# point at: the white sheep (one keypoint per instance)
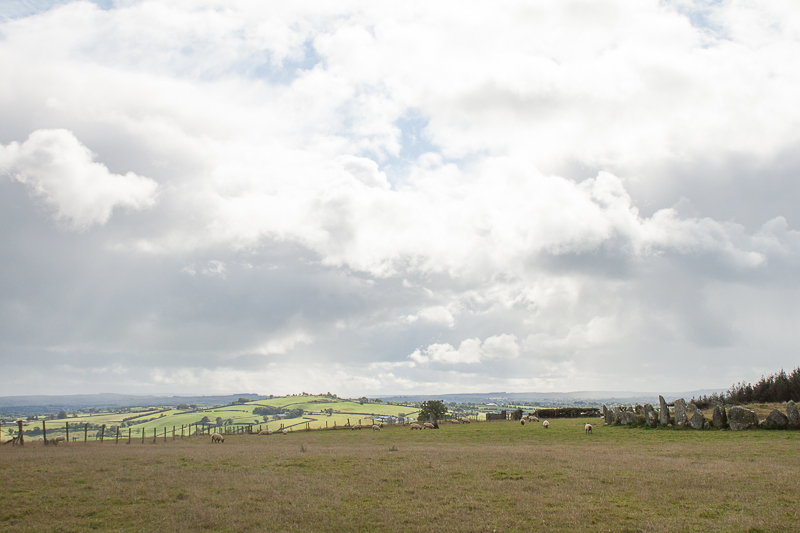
(546, 424)
(416, 426)
(60, 438)
(588, 428)
(376, 427)
(428, 425)
(356, 426)
(284, 431)
(216, 437)
(267, 431)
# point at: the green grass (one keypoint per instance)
(496, 476)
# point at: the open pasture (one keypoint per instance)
(489, 476)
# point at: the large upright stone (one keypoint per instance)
(792, 414)
(775, 420)
(694, 416)
(740, 418)
(650, 417)
(663, 415)
(639, 410)
(680, 413)
(617, 414)
(629, 418)
(719, 417)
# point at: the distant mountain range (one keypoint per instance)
(54, 404)
(555, 397)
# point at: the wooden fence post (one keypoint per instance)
(21, 436)
(154, 435)
(129, 435)
(142, 435)
(44, 431)
(116, 439)
(67, 431)
(181, 431)
(102, 433)
(173, 432)
(165, 433)
(85, 431)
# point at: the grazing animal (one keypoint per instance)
(41, 440)
(522, 422)
(60, 438)
(376, 427)
(428, 425)
(546, 424)
(588, 428)
(267, 431)
(216, 437)
(416, 426)
(464, 420)
(356, 426)
(284, 431)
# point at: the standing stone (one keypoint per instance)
(617, 414)
(775, 420)
(719, 417)
(680, 413)
(664, 413)
(740, 418)
(629, 418)
(639, 410)
(605, 413)
(695, 418)
(792, 414)
(650, 417)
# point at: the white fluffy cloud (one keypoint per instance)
(60, 170)
(348, 182)
(470, 351)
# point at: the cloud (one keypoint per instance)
(609, 185)
(57, 168)
(470, 351)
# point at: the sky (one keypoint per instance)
(366, 198)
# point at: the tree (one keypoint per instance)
(62, 415)
(431, 410)
(204, 420)
(219, 420)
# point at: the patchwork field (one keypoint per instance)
(489, 476)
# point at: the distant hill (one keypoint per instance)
(554, 397)
(54, 404)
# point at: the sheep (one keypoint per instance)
(588, 428)
(216, 437)
(285, 431)
(376, 427)
(546, 424)
(428, 425)
(60, 438)
(267, 431)
(464, 420)
(356, 426)
(416, 426)
(522, 422)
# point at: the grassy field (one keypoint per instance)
(140, 419)
(495, 476)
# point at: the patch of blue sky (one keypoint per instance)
(700, 14)
(414, 142)
(282, 72)
(16, 9)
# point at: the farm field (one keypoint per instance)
(489, 476)
(145, 420)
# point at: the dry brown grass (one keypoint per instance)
(478, 477)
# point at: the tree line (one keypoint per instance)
(778, 387)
